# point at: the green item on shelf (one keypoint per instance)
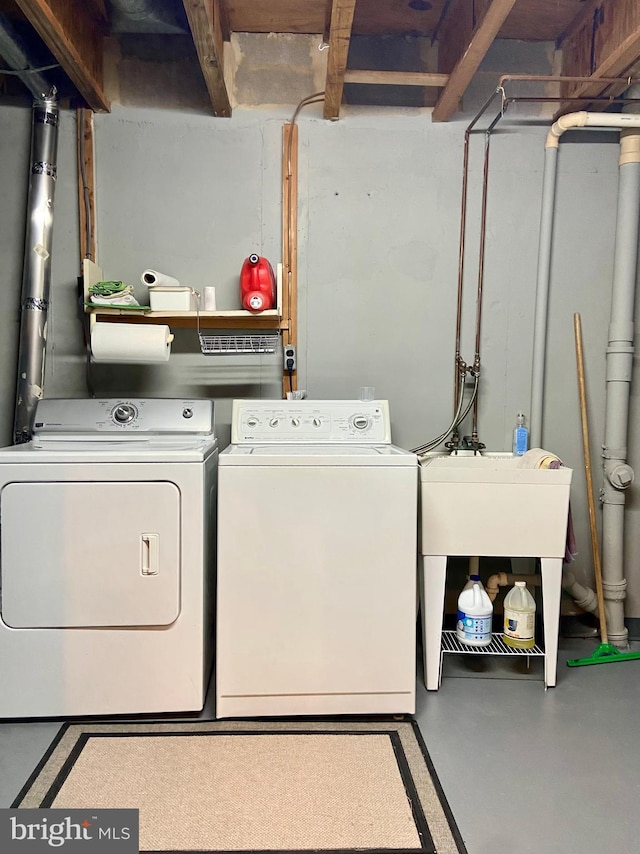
(98, 305)
(108, 289)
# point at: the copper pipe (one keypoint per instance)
(483, 231)
(505, 102)
(463, 223)
(463, 218)
(551, 78)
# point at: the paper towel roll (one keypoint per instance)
(130, 343)
(158, 280)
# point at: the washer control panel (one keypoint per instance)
(310, 421)
(137, 415)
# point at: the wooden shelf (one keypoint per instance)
(189, 319)
(238, 319)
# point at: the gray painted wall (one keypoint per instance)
(379, 208)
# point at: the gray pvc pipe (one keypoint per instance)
(542, 295)
(617, 474)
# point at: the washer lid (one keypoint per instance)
(318, 455)
(101, 450)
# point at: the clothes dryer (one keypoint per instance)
(317, 538)
(107, 559)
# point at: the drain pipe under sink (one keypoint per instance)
(618, 474)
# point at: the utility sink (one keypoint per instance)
(492, 504)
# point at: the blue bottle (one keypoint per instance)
(520, 436)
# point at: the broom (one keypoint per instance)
(605, 652)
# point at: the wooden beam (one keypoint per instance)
(469, 58)
(205, 22)
(289, 246)
(326, 30)
(339, 38)
(225, 28)
(396, 78)
(86, 183)
(604, 43)
(69, 30)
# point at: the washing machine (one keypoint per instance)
(107, 556)
(316, 584)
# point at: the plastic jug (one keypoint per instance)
(475, 614)
(257, 284)
(519, 617)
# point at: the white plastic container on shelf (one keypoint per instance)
(519, 617)
(475, 614)
(172, 299)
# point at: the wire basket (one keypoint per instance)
(233, 345)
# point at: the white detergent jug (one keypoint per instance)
(475, 615)
(519, 617)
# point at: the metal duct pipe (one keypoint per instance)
(145, 16)
(15, 54)
(36, 276)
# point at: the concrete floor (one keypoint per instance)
(523, 769)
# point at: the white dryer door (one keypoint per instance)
(81, 554)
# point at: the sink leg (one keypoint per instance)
(551, 571)
(434, 572)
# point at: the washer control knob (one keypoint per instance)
(274, 422)
(360, 422)
(187, 412)
(252, 421)
(124, 413)
(295, 422)
(316, 422)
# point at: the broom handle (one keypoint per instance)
(586, 445)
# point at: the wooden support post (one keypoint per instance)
(74, 35)
(339, 38)
(205, 21)
(467, 55)
(289, 246)
(86, 183)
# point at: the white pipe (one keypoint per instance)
(549, 181)
(584, 597)
(618, 475)
(504, 579)
(567, 122)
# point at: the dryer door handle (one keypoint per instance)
(149, 554)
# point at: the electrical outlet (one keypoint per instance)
(289, 355)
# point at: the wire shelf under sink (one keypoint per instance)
(451, 644)
(233, 345)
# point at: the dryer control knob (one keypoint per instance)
(316, 422)
(295, 422)
(274, 422)
(124, 413)
(252, 421)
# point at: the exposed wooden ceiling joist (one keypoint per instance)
(339, 37)
(205, 21)
(469, 51)
(396, 78)
(70, 31)
(604, 42)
